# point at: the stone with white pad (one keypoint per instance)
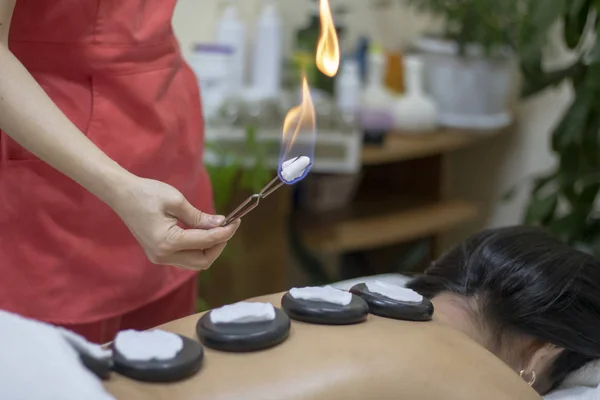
(243, 327)
(156, 355)
(324, 305)
(393, 301)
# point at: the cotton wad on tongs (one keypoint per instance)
(252, 202)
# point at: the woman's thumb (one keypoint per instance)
(194, 218)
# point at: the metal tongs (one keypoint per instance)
(252, 202)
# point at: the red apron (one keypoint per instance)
(115, 69)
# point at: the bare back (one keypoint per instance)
(378, 359)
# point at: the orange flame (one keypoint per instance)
(300, 120)
(328, 48)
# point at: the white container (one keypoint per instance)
(268, 53)
(210, 63)
(471, 91)
(348, 87)
(232, 32)
(376, 100)
(415, 111)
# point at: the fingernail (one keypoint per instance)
(217, 219)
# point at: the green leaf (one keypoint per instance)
(537, 80)
(541, 184)
(570, 162)
(589, 147)
(594, 56)
(577, 7)
(543, 14)
(573, 123)
(587, 197)
(569, 226)
(541, 209)
(252, 144)
(575, 22)
(591, 78)
(223, 180)
(546, 12)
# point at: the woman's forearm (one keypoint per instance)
(30, 117)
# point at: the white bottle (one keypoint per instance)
(232, 32)
(348, 88)
(415, 111)
(268, 53)
(376, 100)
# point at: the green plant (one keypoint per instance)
(563, 199)
(231, 172)
(488, 23)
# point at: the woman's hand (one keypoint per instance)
(155, 213)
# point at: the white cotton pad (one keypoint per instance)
(148, 345)
(394, 292)
(327, 294)
(243, 312)
(81, 344)
(293, 169)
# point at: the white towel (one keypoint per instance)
(583, 384)
(37, 362)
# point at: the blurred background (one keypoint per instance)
(446, 117)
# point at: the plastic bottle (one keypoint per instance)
(394, 76)
(376, 102)
(375, 95)
(415, 112)
(268, 54)
(210, 62)
(232, 32)
(348, 88)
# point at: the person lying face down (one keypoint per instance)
(525, 296)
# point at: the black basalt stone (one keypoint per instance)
(243, 337)
(324, 313)
(383, 306)
(185, 364)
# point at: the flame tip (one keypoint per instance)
(328, 47)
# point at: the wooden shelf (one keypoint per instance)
(360, 232)
(402, 146)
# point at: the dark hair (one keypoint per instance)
(524, 280)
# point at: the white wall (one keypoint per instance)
(482, 173)
(485, 172)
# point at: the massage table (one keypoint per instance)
(378, 359)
